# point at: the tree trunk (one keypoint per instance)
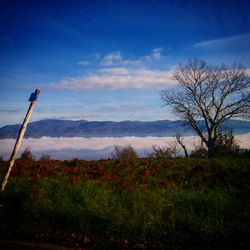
(186, 153)
(185, 150)
(210, 150)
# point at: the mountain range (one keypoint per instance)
(83, 128)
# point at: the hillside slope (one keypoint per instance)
(82, 128)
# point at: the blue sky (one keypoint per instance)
(108, 60)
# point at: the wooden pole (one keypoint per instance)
(22, 130)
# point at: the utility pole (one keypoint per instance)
(32, 100)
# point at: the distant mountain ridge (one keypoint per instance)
(83, 128)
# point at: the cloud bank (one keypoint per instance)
(97, 147)
(116, 79)
(115, 72)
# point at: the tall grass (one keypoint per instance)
(142, 217)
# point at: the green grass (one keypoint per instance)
(205, 207)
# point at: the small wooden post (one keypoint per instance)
(32, 100)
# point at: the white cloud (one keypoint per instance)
(81, 145)
(84, 63)
(112, 58)
(116, 59)
(117, 78)
(248, 72)
(239, 41)
(156, 54)
(115, 72)
(66, 148)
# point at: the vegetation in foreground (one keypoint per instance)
(129, 204)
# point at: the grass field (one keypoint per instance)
(137, 204)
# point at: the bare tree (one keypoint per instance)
(180, 140)
(166, 152)
(208, 95)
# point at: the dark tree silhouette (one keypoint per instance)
(208, 95)
(180, 140)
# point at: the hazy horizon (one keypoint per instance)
(94, 148)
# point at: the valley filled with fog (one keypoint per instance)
(95, 148)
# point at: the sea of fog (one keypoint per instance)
(95, 148)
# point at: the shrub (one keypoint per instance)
(199, 152)
(226, 144)
(166, 152)
(124, 153)
(45, 157)
(27, 155)
(244, 153)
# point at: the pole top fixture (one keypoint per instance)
(34, 96)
